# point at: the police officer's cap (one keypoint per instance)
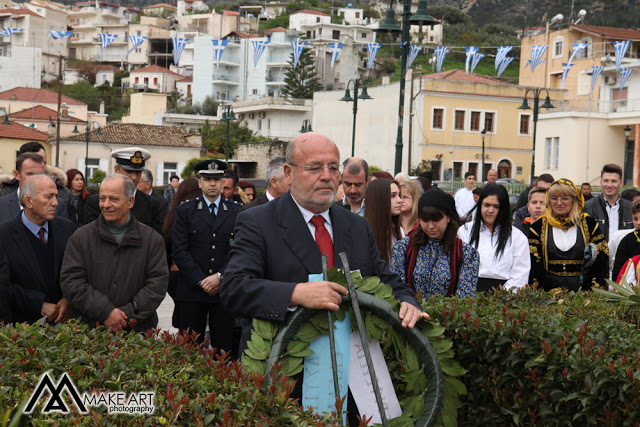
(210, 168)
(131, 158)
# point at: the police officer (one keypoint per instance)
(202, 236)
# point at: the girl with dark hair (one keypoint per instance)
(78, 199)
(432, 260)
(503, 249)
(382, 210)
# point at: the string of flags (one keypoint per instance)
(8, 31)
(298, 47)
(60, 34)
(218, 48)
(107, 39)
(178, 47)
(136, 42)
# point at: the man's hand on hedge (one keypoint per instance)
(117, 320)
(410, 314)
(50, 310)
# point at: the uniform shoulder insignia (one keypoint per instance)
(237, 202)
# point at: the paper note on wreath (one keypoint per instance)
(360, 381)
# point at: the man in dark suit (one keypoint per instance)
(34, 243)
(5, 296)
(202, 236)
(355, 178)
(276, 183)
(146, 186)
(131, 162)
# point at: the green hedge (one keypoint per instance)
(544, 358)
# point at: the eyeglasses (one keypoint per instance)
(334, 168)
(564, 199)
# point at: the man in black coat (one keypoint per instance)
(5, 296)
(34, 243)
(146, 186)
(276, 184)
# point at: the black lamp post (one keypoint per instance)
(227, 116)
(88, 126)
(306, 126)
(525, 106)
(347, 98)
(420, 18)
(627, 133)
(483, 134)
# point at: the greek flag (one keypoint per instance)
(502, 53)
(107, 39)
(298, 47)
(136, 41)
(504, 64)
(440, 53)
(471, 52)
(60, 34)
(334, 49)
(372, 51)
(597, 70)
(577, 47)
(565, 70)
(536, 54)
(621, 51)
(624, 75)
(259, 46)
(413, 53)
(178, 48)
(8, 31)
(218, 48)
(476, 58)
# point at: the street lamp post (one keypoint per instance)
(227, 116)
(306, 126)
(88, 126)
(525, 106)
(483, 134)
(627, 134)
(347, 98)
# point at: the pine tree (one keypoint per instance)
(303, 81)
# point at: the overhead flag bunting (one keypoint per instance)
(501, 55)
(259, 47)
(471, 51)
(218, 49)
(334, 49)
(413, 54)
(476, 58)
(136, 42)
(107, 39)
(298, 47)
(624, 75)
(565, 70)
(621, 51)
(8, 31)
(577, 47)
(60, 34)
(597, 70)
(504, 64)
(536, 54)
(440, 53)
(372, 51)
(178, 47)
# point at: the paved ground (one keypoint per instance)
(165, 311)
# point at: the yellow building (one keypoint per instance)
(458, 107)
(12, 136)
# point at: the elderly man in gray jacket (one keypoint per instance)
(115, 270)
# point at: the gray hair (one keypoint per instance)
(354, 165)
(28, 187)
(148, 176)
(129, 187)
(402, 176)
(275, 169)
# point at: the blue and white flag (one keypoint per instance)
(178, 47)
(621, 51)
(298, 47)
(8, 31)
(413, 54)
(440, 52)
(476, 58)
(504, 64)
(471, 52)
(259, 47)
(107, 39)
(566, 67)
(136, 42)
(536, 54)
(218, 49)
(334, 49)
(577, 47)
(597, 70)
(60, 34)
(624, 75)
(372, 51)
(501, 55)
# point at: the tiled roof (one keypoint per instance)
(155, 69)
(160, 5)
(461, 76)
(139, 135)
(19, 12)
(39, 113)
(42, 96)
(311, 12)
(186, 80)
(230, 12)
(617, 33)
(18, 131)
(276, 30)
(97, 67)
(241, 35)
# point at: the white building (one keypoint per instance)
(157, 48)
(274, 9)
(307, 17)
(20, 67)
(154, 77)
(275, 118)
(104, 73)
(190, 6)
(352, 16)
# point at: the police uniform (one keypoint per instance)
(200, 248)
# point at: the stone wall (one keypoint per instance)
(260, 154)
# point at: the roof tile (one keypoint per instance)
(462, 76)
(311, 12)
(18, 131)
(139, 135)
(618, 33)
(39, 113)
(155, 69)
(38, 96)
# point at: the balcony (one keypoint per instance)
(225, 79)
(277, 61)
(233, 61)
(274, 81)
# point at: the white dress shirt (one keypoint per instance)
(307, 215)
(614, 216)
(513, 265)
(464, 201)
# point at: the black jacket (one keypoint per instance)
(596, 208)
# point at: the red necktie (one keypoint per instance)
(323, 239)
(41, 234)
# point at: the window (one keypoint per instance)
(552, 151)
(335, 35)
(168, 170)
(475, 121)
(259, 124)
(587, 51)
(357, 15)
(155, 81)
(138, 50)
(137, 80)
(92, 166)
(558, 44)
(320, 31)
(436, 122)
(584, 83)
(254, 91)
(364, 35)
(146, 81)
(524, 124)
(459, 124)
(488, 122)
(138, 33)
(317, 20)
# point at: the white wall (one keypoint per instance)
(297, 20)
(21, 68)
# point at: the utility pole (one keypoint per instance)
(58, 118)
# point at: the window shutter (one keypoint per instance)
(181, 168)
(159, 173)
(103, 165)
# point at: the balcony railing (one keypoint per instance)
(226, 78)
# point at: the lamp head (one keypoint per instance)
(627, 132)
(547, 103)
(389, 25)
(525, 104)
(364, 95)
(75, 129)
(347, 96)
(422, 17)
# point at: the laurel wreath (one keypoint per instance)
(410, 380)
